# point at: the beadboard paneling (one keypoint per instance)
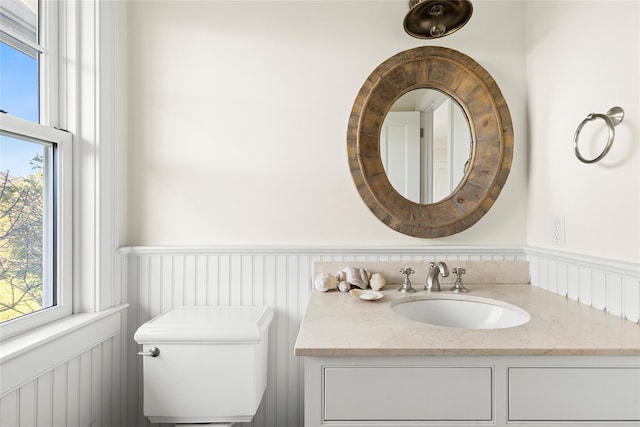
(83, 391)
(159, 278)
(607, 285)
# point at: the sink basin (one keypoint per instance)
(460, 311)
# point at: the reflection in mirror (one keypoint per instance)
(425, 145)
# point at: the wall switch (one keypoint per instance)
(557, 230)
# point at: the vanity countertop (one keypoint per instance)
(338, 324)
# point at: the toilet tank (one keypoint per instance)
(211, 366)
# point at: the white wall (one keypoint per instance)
(238, 112)
(237, 117)
(583, 57)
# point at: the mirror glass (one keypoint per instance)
(425, 145)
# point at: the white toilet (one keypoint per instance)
(205, 364)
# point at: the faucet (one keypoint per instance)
(406, 286)
(432, 284)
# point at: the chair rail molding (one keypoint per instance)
(432, 250)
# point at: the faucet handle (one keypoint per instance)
(458, 287)
(407, 271)
(406, 286)
(458, 271)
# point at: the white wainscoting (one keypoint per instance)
(94, 387)
(69, 374)
(158, 278)
(608, 285)
(80, 392)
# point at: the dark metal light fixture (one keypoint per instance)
(430, 19)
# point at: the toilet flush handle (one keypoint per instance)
(153, 352)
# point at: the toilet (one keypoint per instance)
(204, 365)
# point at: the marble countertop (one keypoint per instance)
(338, 324)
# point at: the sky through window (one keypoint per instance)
(18, 97)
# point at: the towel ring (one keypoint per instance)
(612, 118)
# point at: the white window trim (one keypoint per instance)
(47, 46)
(49, 40)
(87, 81)
(63, 225)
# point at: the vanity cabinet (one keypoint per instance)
(406, 393)
(586, 393)
(461, 391)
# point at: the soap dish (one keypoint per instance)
(366, 294)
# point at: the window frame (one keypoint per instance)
(62, 222)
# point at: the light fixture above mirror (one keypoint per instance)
(430, 19)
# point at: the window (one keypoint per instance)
(35, 172)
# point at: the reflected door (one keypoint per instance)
(400, 151)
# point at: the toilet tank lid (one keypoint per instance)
(206, 324)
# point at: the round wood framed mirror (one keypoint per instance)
(475, 91)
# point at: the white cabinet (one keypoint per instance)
(574, 394)
(409, 393)
(463, 391)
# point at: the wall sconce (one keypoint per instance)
(430, 19)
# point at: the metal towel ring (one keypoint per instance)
(613, 118)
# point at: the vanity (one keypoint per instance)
(367, 365)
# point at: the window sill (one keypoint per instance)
(28, 355)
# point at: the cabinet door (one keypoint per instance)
(574, 394)
(408, 393)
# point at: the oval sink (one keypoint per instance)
(461, 312)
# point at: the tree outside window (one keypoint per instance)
(21, 242)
